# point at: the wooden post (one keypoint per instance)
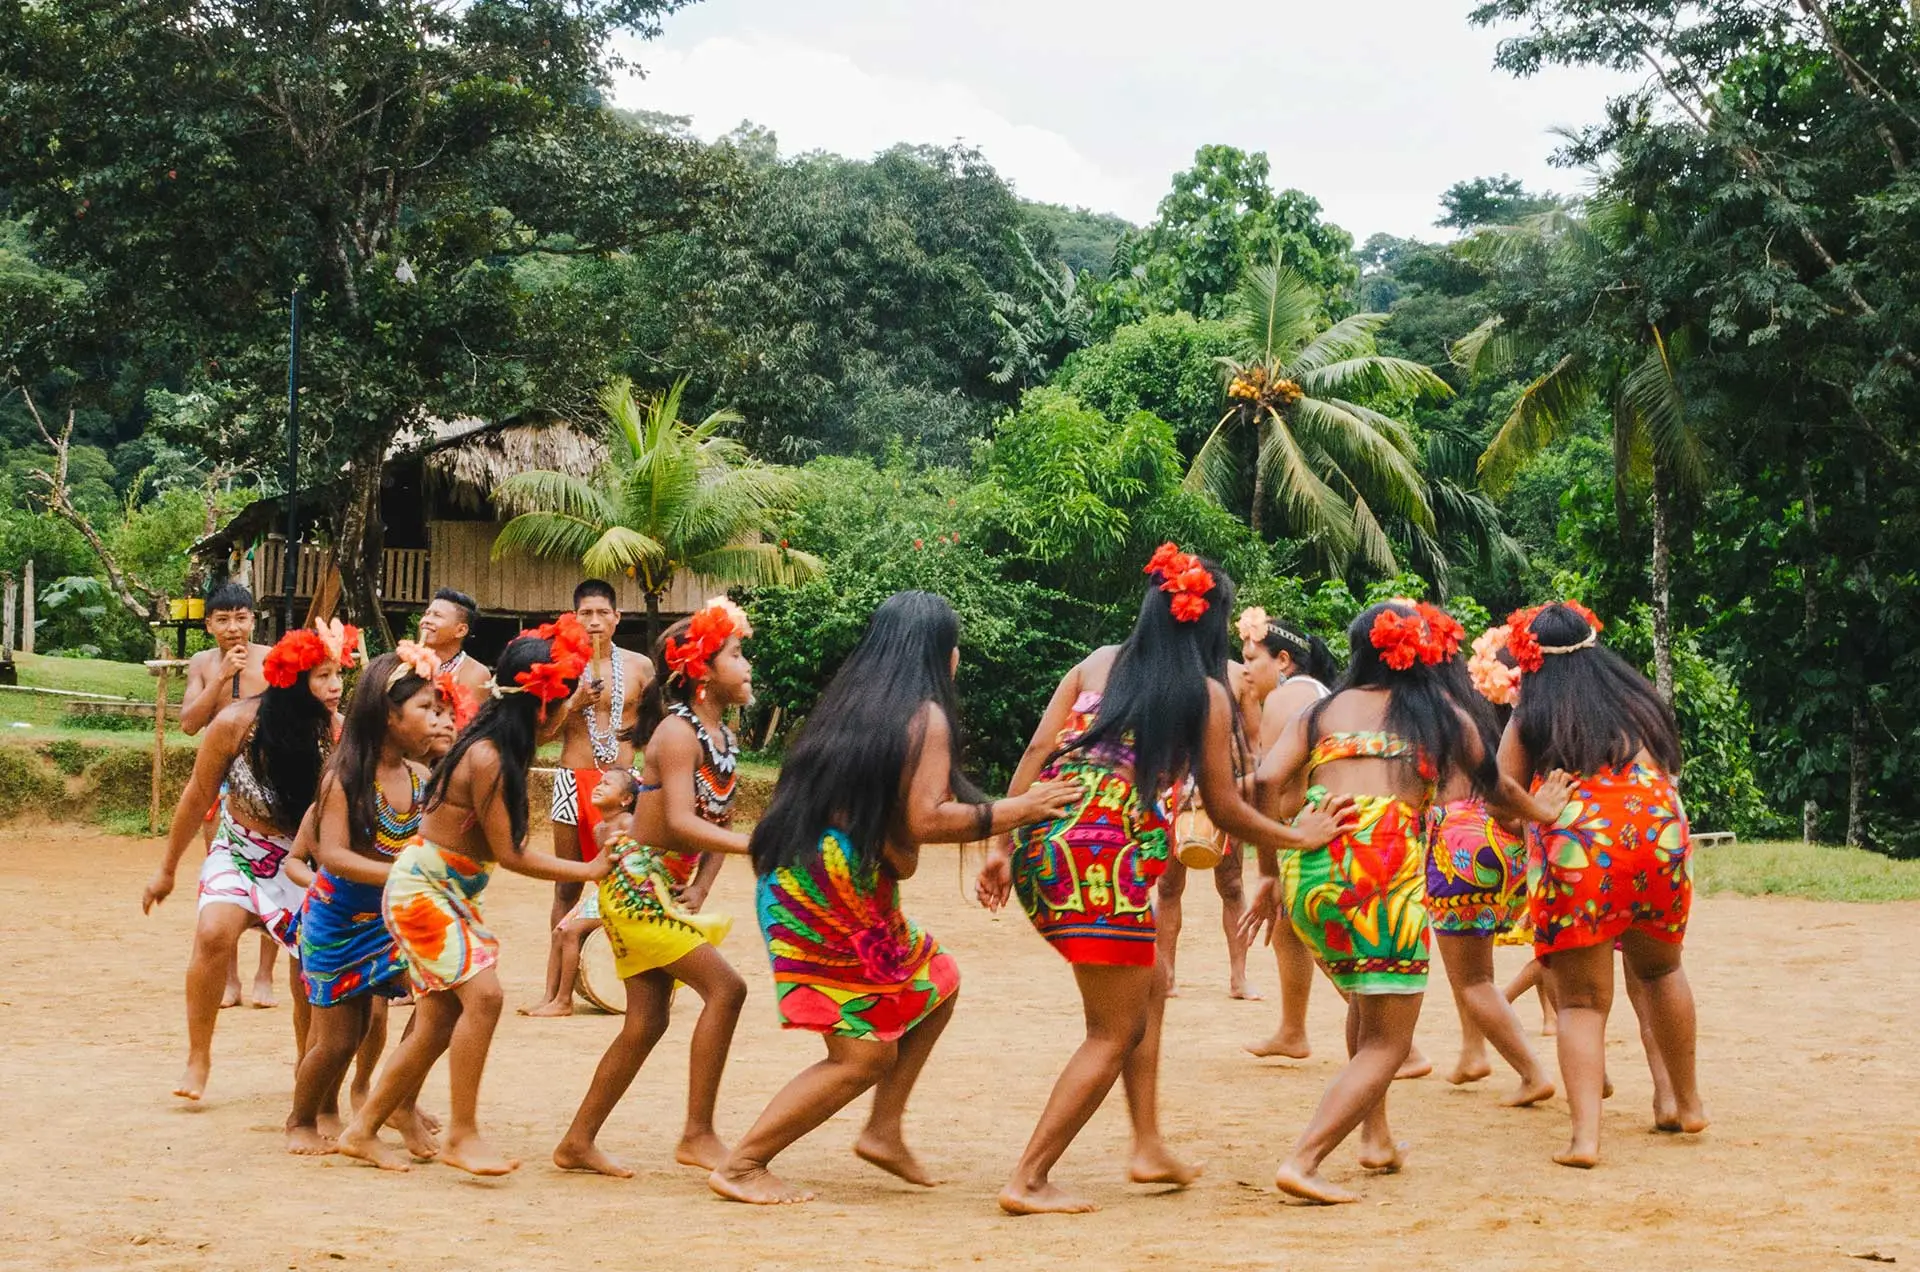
(162, 669)
(6, 623)
(26, 611)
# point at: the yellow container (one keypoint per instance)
(197, 607)
(176, 609)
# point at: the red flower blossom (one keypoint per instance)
(707, 635)
(1444, 634)
(293, 656)
(1400, 638)
(1183, 577)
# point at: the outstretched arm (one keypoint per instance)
(933, 816)
(1511, 800)
(1230, 811)
(481, 766)
(332, 843)
(222, 743)
(674, 750)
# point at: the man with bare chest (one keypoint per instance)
(444, 627)
(594, 739)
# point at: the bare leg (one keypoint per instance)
(1296, 986)
(1167, 917)
(1662, 997)
(1382, 1032)
(302, 1015)
(1489, 1018)
(566, 845)
(263, 973)
(435, 1016)
(722, 995)
(336, 1032)
(232, 997)
(1149, 1162)
(367, 1058)
(1583, 984)
(884, 1143)
(1229, 882)
(648, 998)
(563, 968)
(419, 1129)
(815, 1094)
(1117, 1002)
(216, 937)
(480, 1002)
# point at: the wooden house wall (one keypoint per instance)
(461, 553)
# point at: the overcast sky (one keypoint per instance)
(1372, 106)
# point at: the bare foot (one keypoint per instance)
(1309, 1186)
(1579, 1156)
(705, 1151)
(545, 1010)
(1416, 1065)
(422, 1140)
(1383, 1159)
(891, 1154)
(1046, 1199)
(1465, 1070)
(193, 1082)
(1549, 1026)
(1291, 1045)
(1157, 1166)
(757, 1186)
(1674, 1120)
(330, 1125)
(477, 1157)
(231, 996)
(308, 1141)
(263, 994)
(1528, 1094)
(374, 1151)
(1606, 1088)
(1238, 989)
(587, 1156)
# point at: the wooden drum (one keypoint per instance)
(596, 981)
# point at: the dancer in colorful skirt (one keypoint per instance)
(1612, 867)
(367, 811)
(267, 751)
(668, 847)
(1125, 724)
(1395, 730)
(1477, 889)
(475, 819)
(874, 774)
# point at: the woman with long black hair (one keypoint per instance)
(1129, 722)
(875, 774)
(475, 818)
(1395, 731)
(261, 761)
(1613, 867)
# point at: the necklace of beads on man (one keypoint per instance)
(606, 745)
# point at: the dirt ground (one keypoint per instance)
(1806, 1017)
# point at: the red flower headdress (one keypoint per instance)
(1183, 577)
(1429, 635)
(707, 635)
(1526, 647)
(547, 681)
(304, 648)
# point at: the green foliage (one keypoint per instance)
(1812, 872)
(1084, 240)
(1500, 200)
(1167, 365)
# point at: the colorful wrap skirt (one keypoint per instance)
(846, 961)
(246, 868)
(1617, 860)
(432, 908)
(646, 926)
(346, 950)
(1358, 903)
(1087, 880)
(1476, 871)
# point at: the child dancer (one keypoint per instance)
(268, 751)
(873, 775)
(682, 812)
(475, 818)
(1476, 889)
(368, 810)
(1390, 735)
(1125, 724)
(1612, 867)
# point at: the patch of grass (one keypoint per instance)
(27, 781)
(132, 825)
(70, 755)
(92, 675)
(1814, 872)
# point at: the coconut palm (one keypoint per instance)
(671, 497)
(1331, 465)
(1627, 369)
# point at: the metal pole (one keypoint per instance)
(289, 572)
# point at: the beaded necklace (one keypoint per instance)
(714, 777)
(606, 746)
(394, 830)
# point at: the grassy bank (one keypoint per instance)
(1816, 872)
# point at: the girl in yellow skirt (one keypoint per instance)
(682, 811)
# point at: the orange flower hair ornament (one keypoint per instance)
(547, 681)
(1428, 636)
(304, 648)
(1183, 577)
(1497, 682)
(415, 660)
(1253, 624)
(742, 626)
(707, 635)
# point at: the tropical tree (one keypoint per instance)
(671, 497)
(1330, 463)
(1620, 360)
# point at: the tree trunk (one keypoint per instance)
(1256, 516)
(360, 539)
(1810, 611)
(1662, 584)
(653, 624)
(1859, 760)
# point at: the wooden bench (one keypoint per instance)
(1713, 838)
(81, 710)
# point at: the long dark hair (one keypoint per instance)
(511, 723)
(845, 767)
(1589, 710)
(1310, 654)
(356, 759)
(288, 747)
(1424, 703)
(663, 692)
(1157, 696)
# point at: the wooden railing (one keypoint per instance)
(406, 576)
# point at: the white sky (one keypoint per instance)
(1372, 106)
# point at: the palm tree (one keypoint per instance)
(1331, 464)
(671, 497)
(1631, 376)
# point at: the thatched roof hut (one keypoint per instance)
(462, 470)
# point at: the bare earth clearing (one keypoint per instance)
(1807, 1064)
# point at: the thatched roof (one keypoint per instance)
(463, 470)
